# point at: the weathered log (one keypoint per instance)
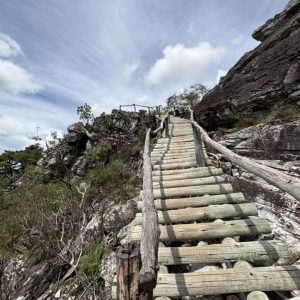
(128, 267)
(228, 281)
(173, 156)
(250, 251)
(172, 161)
(177, 151)
(181, 171)
(190, 175)
(176, 166)
(175, 145)
(188, 182)
(212, 212)
(286, 183)
(206, 231)
(211, 189)
(186, 138)
(150, 232)
(162, 204)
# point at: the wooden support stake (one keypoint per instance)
(134, 108)
(120, 107)
(128, 267)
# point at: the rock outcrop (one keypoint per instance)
(266, 141)
(265, 77)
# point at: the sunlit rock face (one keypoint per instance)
(265, 77)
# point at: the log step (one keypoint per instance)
(172, 161)
(181, 171)
(188, 182)
(172, 166)
(173, 156)
(211, 189)
(186, 138)
(228, 281)
(212, 212)
(207, 231)
(162, 204)
(217, 253)
(187, 175)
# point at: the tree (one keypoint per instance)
(85, 113)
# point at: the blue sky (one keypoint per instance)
(58, 54)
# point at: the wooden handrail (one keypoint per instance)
(284, 182)
(150, 227)
(157, 107)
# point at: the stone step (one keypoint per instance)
(212, 212)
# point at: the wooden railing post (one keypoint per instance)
(120, 107)
(128, 267)
(134, 108)
(166, 127)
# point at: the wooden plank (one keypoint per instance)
(212, 212)
(174, 145)
(158, 162)
(177, 151)
(228, 281)
(183, 165)
(207, 231)
(211, 189)
(250, 251)
(181, 171)
(162, 204)
(188, 182)
(186, 138)
(173, 156)
(188, 175)
(150, 233)
(285, 182)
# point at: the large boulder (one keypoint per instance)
(262, 78)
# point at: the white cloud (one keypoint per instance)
(181, 63)
(15, 80)
(129, 69)
(8, 46)
(237, 40)
(220, 74)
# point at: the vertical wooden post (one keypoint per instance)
(120, 107)
(149, 110)
(167, 127)
(159, 114)
(128, 267)
(134, 108)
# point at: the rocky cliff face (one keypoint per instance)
(262, 79)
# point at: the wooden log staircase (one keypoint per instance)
(194, 203)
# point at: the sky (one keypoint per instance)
(58, 54)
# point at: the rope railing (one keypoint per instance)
(141, 284)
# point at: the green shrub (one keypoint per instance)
(102, 152)
(91, 259)
(28, 208)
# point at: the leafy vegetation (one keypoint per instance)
(27, 210)
(85, 113)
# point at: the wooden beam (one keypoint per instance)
(212, 212)
(188, 175)
(207, 231)
(228, 281)
(163, 204)
(181, 171)
(187, 182)
(286, 183)
(211, 189)
(150, 232)
(251, 251)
